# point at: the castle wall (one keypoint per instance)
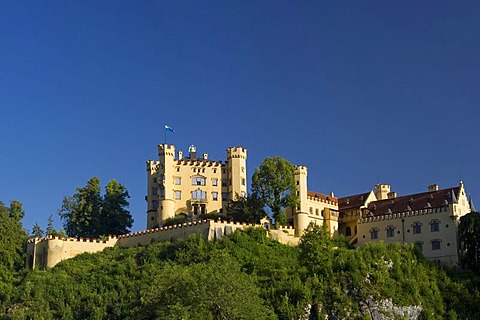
(416, 227)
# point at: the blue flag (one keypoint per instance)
(167, 128)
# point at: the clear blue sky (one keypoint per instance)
(360, 92)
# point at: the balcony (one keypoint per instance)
(198, 201)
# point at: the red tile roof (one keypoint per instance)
(353, 201)
(321, 196)
(412, 202)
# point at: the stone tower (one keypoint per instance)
(236, 172)
(300, 216)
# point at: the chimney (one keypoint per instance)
(433, 187)
(180, 155)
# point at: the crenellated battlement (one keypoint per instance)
(166, 150)
(402, 215)
(71, 239)
(237, 152)
(327, 200)
(200, 162)
(301, 169)
(152, 165)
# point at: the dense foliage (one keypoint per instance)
(12, 247)
(88, 214)
(244, 276)
(273, 183)
(469, 241)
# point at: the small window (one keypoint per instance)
(224, 196)
(178, 195)
(178, 169)
(215, 182)
(374, 234)
(311, 210)
(198, 181)
(417, 228)
(243, 169)
(155, 204)
(317, 212)
(298, 182)
(215, 196)
(436, 245)
(243, 181)
(214, 170)
(224, 182)
(154, 191)
(435, 226)
(199, 195)
(178, 180)
(390, 232)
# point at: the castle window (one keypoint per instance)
(154, 191)
(178, 180)
(417, 228)
(243, 169)
(198, 181)
(311, 210)
(390, 232)
(435, 226)
(316, 212)
(199, 194)
(243, 181)
(215, 196)
(348, 231)
(155, 204)
(214, 182)
(224, 182)
(224, 196)
(178, 195)
(419, 245)
(374, 234)
(178, 169)
(214, 170)
(436, 245)
(298, 182)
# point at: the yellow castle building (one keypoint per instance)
(194, 186)
(428, 219)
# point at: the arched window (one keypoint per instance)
(199, 194)
(348, 231)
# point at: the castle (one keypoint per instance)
(195, 186)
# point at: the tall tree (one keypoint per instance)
(115, 218)
(81, 211)
(88, 214)
(12, 245)
(37, 231)
(469, 241)
(246, 209)
(274, 184)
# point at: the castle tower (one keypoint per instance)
(236, 172)
(166, 156)
(300, 216)
(382, 191)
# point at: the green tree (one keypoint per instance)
(469, 241)
(274, 184)
(88, 214)
(12, 245)
(37, 231)
(115, 218)
(316, 250)
(81, 211)
(246, 209)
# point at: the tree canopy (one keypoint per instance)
(469, 241)
(274, 184)
(88, 214)
(246, 209)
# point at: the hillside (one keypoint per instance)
(247, 276)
